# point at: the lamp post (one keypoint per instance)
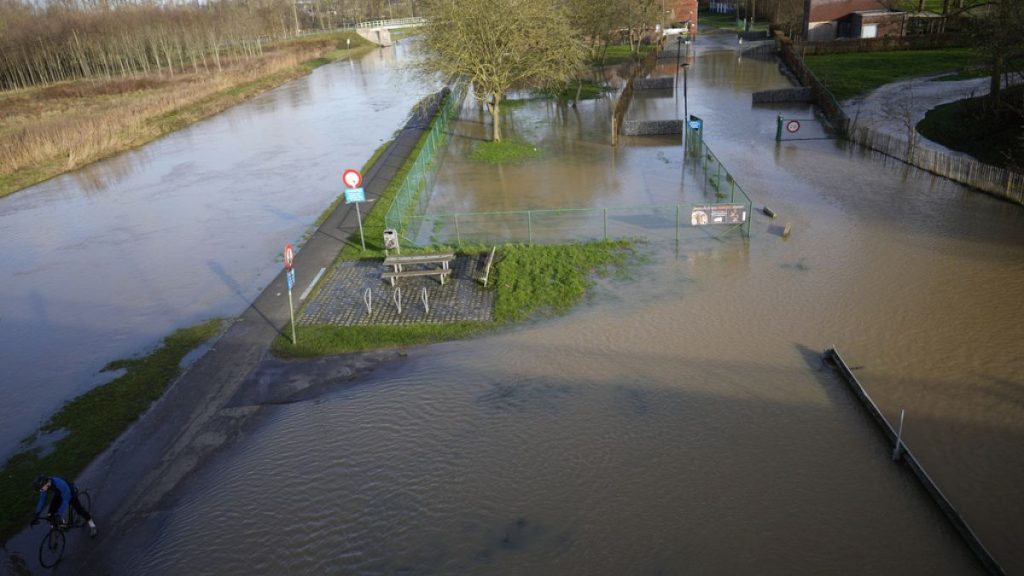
(686, 109)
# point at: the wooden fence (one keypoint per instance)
(985, 177)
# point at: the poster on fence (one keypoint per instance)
(707, 214)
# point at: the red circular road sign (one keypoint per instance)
(352, 178)
(289, 256)
(792, 126)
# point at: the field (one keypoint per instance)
(48, 130)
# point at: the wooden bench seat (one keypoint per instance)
(393, 275)
(398, 261)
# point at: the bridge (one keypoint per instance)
(393, 23)
(379, 31)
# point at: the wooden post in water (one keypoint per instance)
(897, 450)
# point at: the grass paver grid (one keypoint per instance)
(340, 300)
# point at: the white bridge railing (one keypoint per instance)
(393, 23)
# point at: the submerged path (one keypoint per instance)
(198, 414)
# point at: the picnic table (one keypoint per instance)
(423, 265)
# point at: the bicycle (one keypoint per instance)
(51, 549)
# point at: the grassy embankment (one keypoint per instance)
(965, 125)
(855, 74)
(529, 280)
(87, 425)
(48, 130)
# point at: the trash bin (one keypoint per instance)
(390, 239)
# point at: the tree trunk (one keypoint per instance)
(494, 107)
(995, 82)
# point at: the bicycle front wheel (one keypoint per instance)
(52, 548)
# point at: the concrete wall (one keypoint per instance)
(889, 23)
(659, 83)
(783, 95)
(379, 36)
(821, 31)
(652, 127)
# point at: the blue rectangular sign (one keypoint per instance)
(291, 279)
(354, 195)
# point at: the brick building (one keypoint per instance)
(682, 11)
(830, 19)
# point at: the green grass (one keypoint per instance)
(530, 281)
(618, 53)
(965, 126)
(849, 75)
(504, 152)
(588, 90)
(92, 421)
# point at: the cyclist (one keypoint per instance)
(64, 493)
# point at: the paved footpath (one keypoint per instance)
(891, 107)
(200, 412)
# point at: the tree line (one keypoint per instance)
(89, 39)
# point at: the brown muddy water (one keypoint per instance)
(680, 421)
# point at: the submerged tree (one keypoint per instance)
(500, 45)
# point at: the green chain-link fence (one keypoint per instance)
(413, 196)
(720, 206)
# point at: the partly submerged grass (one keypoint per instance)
(92, 421)
(504, 152)
(550, 279)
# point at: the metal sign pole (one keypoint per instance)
(359, 217)
(291, 312)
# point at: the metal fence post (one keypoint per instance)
(458, 236)
(677, 223)
(605, 224)
(529, 227)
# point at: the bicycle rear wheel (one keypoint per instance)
(51, 548)
(86, 502)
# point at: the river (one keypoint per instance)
(102, 263)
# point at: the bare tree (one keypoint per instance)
(996, 31)
(499, 45)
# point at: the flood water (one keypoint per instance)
(103, 263)
(681, 420)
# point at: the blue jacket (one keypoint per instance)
(57, 485)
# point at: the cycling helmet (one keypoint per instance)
(40, 481)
